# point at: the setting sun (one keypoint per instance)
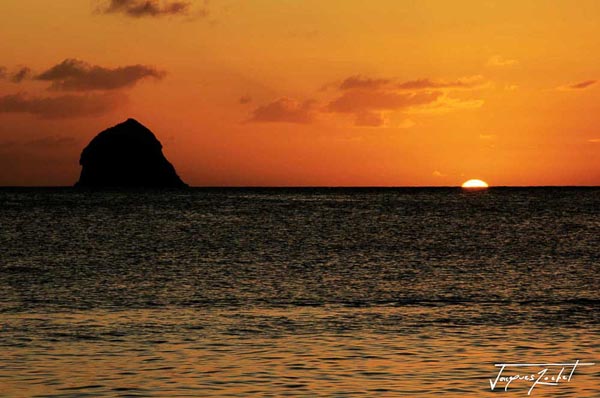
(477, 184)
(276, 186)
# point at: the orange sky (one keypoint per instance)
(293, 92)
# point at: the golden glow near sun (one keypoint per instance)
(475, 184)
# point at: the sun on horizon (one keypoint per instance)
(475, 184)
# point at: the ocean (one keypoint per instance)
(298, 292)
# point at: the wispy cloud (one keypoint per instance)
(154, 8)
(66, 106)
(370, 83)
(358, 101)
(577, 86)
(51, 142)
(446, 104)
(500, 61)
(470, 82)
(16, 77)
(20, 75)
(285, 110)
(359, 81)
(245, 99)
(76, 75)
(147, 8)
(45, 142)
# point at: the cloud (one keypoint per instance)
(446, 104)
(370, 119)
(500, 61)
(367, 101)
(2, 72)
(245, 99)
(379, 119)
(439, 174)
(46, 142)
(470, 82)
(594, 140)
(371, 101)
(66, 106)
(149, 8)
(359, 101)
(584, 84)
(284, 110)
(577, 86)
(52, 141)
(359, 81)
(20, 75)
(368, 83)
(76, 75)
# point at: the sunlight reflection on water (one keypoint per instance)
(295, 293)
(162, 352)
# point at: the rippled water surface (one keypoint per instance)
(296, 292)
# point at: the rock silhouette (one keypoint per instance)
(127, 155)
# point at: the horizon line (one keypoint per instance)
(303, 187)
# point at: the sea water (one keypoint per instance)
(297, 292)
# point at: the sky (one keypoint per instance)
(307, 92)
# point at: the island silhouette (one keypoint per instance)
(127, 155)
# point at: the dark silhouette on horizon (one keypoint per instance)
(127, 155)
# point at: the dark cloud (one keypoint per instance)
(148, 8)
(430, 84)
(582, 85)
(245, 99)
(66, 106)
(284, 110)
(76, 75)
(363, 82)
(20, 75)
(358, 81)
(577, 86)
